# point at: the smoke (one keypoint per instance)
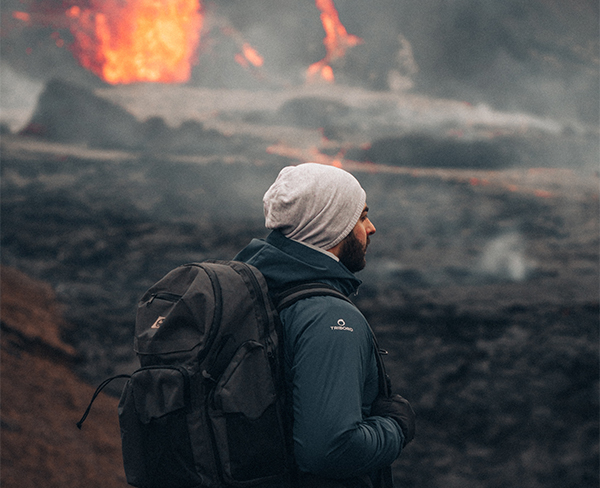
(504, 258)
(18, 97)
(538, 56)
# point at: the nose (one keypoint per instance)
(371, 228)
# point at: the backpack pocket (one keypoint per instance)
(246, 419)
(153, 409)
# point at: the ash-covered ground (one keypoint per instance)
(482, 279)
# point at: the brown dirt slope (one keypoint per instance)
(42, 399)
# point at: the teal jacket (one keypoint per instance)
(330, 365)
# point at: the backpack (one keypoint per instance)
(207, 407)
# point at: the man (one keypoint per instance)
(345, 431)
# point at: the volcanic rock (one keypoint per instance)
(421, 150)
(426, 150)
(72, 114)
(312, 112)
(42, 399)
(69, 113)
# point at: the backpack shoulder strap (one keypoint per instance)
(306, 290)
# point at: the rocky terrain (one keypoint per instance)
(43, 398)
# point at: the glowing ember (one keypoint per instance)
(24, 16)
(336, 42)
(137, 40)
(249, 55)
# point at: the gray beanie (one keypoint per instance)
(314, 203)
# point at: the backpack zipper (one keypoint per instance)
(216, 322)
(164, 295)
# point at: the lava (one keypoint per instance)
(249, 55)
(337, 41)
(138, 40)
(23, 16)
(129, 41)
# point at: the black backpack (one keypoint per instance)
(207, 406)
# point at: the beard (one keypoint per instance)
(353, 253)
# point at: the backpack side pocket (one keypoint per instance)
(247, 423)
(153, 410)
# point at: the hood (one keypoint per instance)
(285, 262)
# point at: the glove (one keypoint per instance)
(398, 409)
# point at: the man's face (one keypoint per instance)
(353, 251)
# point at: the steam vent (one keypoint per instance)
(140, 135)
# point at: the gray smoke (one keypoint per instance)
(504, 257)
(18, 96)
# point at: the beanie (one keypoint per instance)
(314, 203)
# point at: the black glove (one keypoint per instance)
(398, 409)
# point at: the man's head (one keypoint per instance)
(319, 205)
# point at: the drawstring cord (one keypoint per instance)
(96, 393)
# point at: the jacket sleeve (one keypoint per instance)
(330, 357)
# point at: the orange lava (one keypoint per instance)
(138, 40)
(337, 41)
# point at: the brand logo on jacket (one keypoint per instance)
(158, 323)
(341, 325)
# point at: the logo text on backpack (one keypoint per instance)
(341, 325)
(158, 323)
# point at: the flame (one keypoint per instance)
(137, 40)
(337, 41)
(128, 41)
